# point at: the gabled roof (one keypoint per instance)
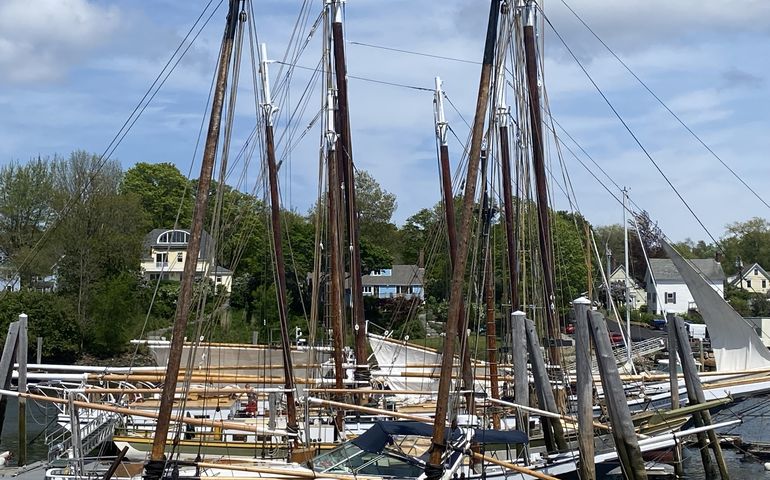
(400, 275)
(746, 271)
(663, 269)
(621, 269)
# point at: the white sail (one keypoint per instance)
(735, 343)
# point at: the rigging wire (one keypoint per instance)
(630, 131)
(664, 105)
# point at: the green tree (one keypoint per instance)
(25, 214)
(375, 209)
(745, 243)
(99, 236)
(163, 193)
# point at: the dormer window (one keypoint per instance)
(174, 237)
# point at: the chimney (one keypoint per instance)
(718, 256)
(421, 259)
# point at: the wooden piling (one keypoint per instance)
(6, 367)
(520, 375)
(673, 376)
(21, 354)
(552, 429)
(626, 443)
(584, 389)
(695, 395)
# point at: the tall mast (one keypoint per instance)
(335, 255)
(268, 112)
(449, 215)
(628, 296)
(345, 154)
(155, 466)
(541, 181)
(434, 467)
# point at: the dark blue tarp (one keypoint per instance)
(381, 434)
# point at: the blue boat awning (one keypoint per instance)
(381, 434)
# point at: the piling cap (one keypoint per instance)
(518, 313)
(581, 301)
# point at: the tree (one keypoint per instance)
(25, 214)
(745, 243)
(163, 193)
(375, 208)
(100, 232)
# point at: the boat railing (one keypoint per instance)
(100, 429)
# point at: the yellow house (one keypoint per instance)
(753, 279)
(164, 255)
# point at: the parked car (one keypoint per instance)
(616, 338)
(569, 329)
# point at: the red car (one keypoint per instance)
(616, 338)
(569, 329)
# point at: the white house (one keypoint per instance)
(666, 291)
(164, 255)
(637, 294)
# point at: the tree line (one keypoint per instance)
(80, 222)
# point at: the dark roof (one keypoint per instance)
(151, 241)
(400, 275)
(663, 269)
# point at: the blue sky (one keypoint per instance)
(72, 70)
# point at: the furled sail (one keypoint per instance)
(735, 343)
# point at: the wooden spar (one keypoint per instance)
(287, 472)
(520, 375)
(510, 238)
(626, 443)
(335, 256)
(513, 466)
(489, 297)
(237, 426)
(115, 464)
(552, 431)
(373, 411)
(434, 468)
(695, 396)
(546, 413)
(6, 366)
(584, 384)
(449, 216)
(541, 182)
(268, 112)
(193, 246)
(345, 156)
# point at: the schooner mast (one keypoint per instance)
(154, 468)
(347, 181)
(541, 181)
(434, 468)
(268, 113)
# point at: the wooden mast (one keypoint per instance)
(335, 256)
(434, 467)
(345, 157)
(155, 465)
(268, 112)
(449, 216)
(541, 181)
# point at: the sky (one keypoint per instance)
(71, 72)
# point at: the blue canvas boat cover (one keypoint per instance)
(381, 434)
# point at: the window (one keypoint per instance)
(219, 279)
(670, 297)
(161, 260)
(174, 236)
(368, 290)
(748, 283)
(756, 272)
(403, 289)
(180, 257)
(764, 283)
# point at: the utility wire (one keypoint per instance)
(664, 105)
(628, 129)
(410, 52)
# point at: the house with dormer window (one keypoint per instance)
(667, 290)
(165, 251)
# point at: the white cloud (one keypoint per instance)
(41, 41)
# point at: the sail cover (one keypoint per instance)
(735, 343)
